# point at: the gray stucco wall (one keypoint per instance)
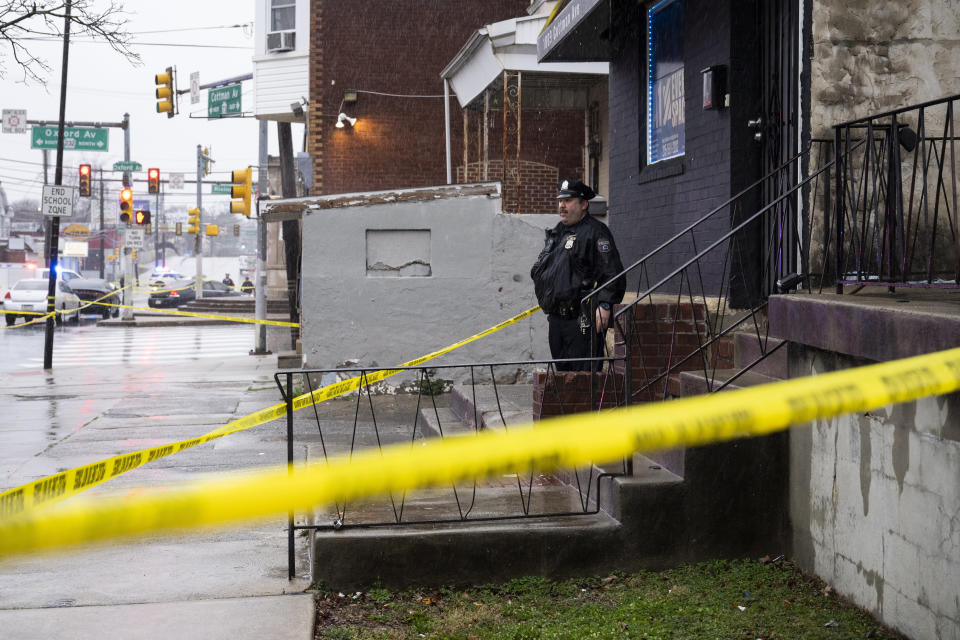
(875, 505)
(391, 312)
(873, 56)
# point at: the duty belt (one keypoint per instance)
(567, 311)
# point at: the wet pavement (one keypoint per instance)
(225, 583)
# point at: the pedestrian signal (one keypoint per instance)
(142, 217)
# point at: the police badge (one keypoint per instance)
(569, 243)
(603, 246)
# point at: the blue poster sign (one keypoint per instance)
(666, 136)
(667, 133)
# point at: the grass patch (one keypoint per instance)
(742, 599)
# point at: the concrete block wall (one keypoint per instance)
(473, 272)
(875, 496)
(875, 504)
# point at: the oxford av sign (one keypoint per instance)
(74, 138)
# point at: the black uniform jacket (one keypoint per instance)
(574, 261)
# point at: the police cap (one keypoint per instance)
(574, 189)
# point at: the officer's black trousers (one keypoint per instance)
(567, 341)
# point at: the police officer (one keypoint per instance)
(579, 254)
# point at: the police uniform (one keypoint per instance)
(575, 259)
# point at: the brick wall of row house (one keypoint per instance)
(400, 47)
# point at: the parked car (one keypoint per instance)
(181, 292)
(30, 295)
(90, 289)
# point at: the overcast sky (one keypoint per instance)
(102, 85)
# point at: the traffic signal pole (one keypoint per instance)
(103, 231)
(55, 220)
(198, 241)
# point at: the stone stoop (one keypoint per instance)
(724, 500)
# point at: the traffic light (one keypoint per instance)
(126, 205)
(213, 230)
(193, 220)
(142, 217)
(166, 92)
(179, 229)
(242, 188)
(153, 180)
(85, 180)
(236, 229)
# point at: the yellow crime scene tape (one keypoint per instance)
(558, 442)
(60, 486)
(278, 323)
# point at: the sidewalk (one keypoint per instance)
(226, 583)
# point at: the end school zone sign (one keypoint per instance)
(58, 200)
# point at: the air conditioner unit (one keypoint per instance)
(281, 41)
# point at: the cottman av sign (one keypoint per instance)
(224, 101)
(58, 200)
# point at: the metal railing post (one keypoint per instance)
(290, 555)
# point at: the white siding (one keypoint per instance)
(279, 81)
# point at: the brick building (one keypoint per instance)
(379, 62)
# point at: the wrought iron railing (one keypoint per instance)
(896, 216)
(377, 421)
(685, 311)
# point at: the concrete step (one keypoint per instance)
(244, 304)
(466, 552)
(493, 407)
(692, 383)
(748, 347)
(442, 422)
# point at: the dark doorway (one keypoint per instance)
(779, 133)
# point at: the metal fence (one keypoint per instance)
(434, 406)
(895, 220)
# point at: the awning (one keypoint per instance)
(511, 45)
(579, 32)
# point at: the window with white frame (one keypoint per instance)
(283, 15)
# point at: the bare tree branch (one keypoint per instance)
(21, 20)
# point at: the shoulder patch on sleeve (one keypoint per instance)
(603, 245)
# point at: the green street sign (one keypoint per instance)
(74, 138)
(127, 165)
(223, 102)
(221, 188)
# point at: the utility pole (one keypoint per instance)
(260, 288)
(103, 231)
(55, 220)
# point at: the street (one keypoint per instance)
(86, 344)
(113, 390)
